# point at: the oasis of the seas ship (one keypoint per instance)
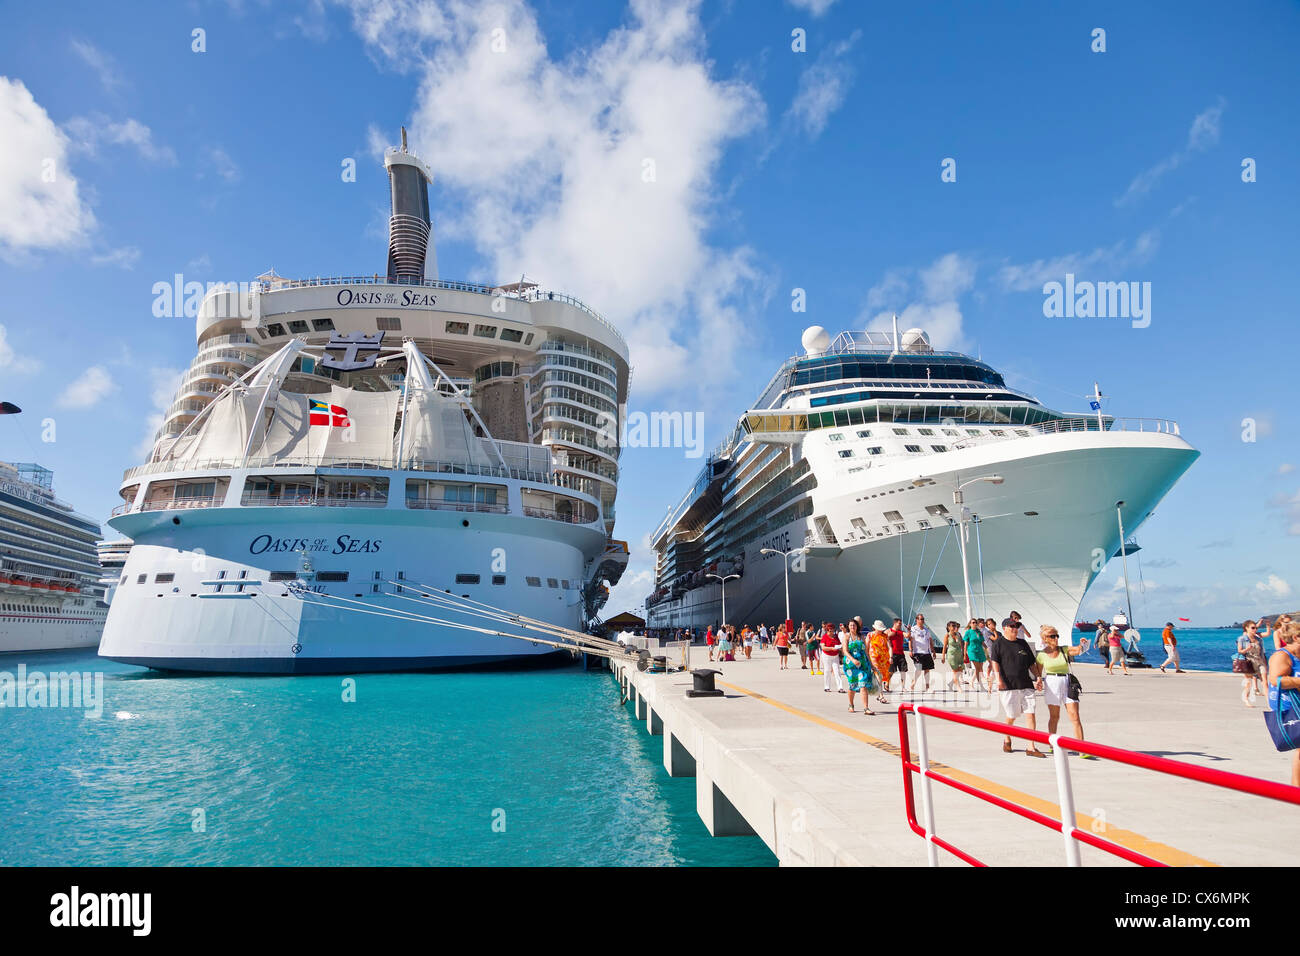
(358, 438)
(897, 473)
(49, 590)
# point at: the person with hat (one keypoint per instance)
(1171, 649)
(1016, 670)
(879, 654)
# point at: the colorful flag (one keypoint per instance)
(325, 414)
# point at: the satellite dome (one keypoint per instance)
(816, 340)
(915, 340)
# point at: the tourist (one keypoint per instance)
(814, 652)
(857, 666)
(1103, 642)
(831, 646)
(897, 659)
(725, 647)
(708, 640)
(1024, 631)
(747, 641)
(1250, 648)
(1284, 681)
(800, 641)
(922, 652)
(975, 650)
(1171, 649)
(783, 646)
(1280, 623)
(1113, 641)
(954, 652)
(762, 636)
(990, 630)
(1054, 681)
(1016, 668)
(878, 654)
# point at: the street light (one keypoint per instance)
(724, 592)
(957, 501)
(786, 561)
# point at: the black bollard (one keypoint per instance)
(703, 681)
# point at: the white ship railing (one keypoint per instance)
(314, 501)
(435, 504)
(357, 464)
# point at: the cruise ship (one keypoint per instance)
(50, 598)
(340, 446)
(891, 478)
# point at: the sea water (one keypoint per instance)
(532, 768)
(1200, 649)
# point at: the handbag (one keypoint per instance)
(1284, 727)
(1241, 664)
(1074, 688)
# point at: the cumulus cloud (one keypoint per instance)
(124, 258)
(595, 174)
(41, 206)
(815, 7)
(1022, 277)
(89, 133)
(105, 67)
(1285, 468)
(93, 385)
(1273, 586)
(11, 362)
(929, 299)
(1203, 134)
(823, 87)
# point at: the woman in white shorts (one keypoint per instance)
(1054, 682)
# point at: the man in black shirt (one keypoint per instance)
(1015, 668)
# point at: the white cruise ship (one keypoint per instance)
(339, 442)
(897, 473)
(49, 592)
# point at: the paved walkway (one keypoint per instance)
(778, 739)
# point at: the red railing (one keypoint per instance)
(1065, 791)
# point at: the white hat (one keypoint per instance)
(878, 625)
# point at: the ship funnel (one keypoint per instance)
(410, 230)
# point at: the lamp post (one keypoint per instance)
(785, 558)
(959, 502)
(724, 592)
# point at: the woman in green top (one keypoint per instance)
(974, 638)
(857, 668)
(1055, 680)
(954, 652)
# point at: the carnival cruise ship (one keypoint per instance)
(49, 593)
(341, 446)
(893, 479)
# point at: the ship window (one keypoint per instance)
(123, 581)
(875, 450)
(893, 516)
(140, 579)
(997, 431)
(914, 449)
(864, 433)
(388, 323)
(458, 328)
(847, 453)
(533, 582)
(262, 332)
(552, 583)
(322, 325)
(275, 328)
(952, 432)
(283, 575)
(498, 579)
(858, 523)
(923, 524)
(528, 339)
(164, 578)
(973, 431)
(374, 589)
(939, 511)
(297, 325)
(332, 576)
(1022, 432)
(939, 447)
(925, 431)
(900, 431)
(485, 331)
(836, 437)
(511, 335)
(467, 579)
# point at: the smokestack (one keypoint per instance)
(409, 227)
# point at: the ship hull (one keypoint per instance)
(1042, 537)
(216, 609)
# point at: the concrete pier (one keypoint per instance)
(779, 758)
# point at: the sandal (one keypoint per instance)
(1035, 753)
(869, 713)
(1006, 747)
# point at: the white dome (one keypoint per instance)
(816, 339)
(915, 340)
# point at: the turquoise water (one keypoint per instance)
(1201, 649)
(416, 771)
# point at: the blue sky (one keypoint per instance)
(774, 170)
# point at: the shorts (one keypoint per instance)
(924, 661)
(898, 663)
(1017, 702)
(783, 651)
(1056, 690)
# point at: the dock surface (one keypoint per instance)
(780, 758)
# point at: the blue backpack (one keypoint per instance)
(1283, 721)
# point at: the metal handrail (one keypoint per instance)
(359, 464)
(315, 501)
(438, 504)
(1060, 745)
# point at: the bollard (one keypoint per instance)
(702, 680)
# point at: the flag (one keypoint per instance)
(1184, 619)
(1095, 405)
(325, 414)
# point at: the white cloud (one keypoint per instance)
(815, 7)
(1022, 277)
(823, 87)
(225, 167)
(105, 67)
(1273, 587)
(163, 385)
(10, 361)
(546, 162)
(93, 385)
(1285, 468)
(41, 206)
(1203, 134)
(125, 257)
(933, 292)
(89, 133)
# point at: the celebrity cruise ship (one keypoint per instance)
(894, 479)
(49, 593)
(340, 443)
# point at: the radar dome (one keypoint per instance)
(816, 339)
(915, 340)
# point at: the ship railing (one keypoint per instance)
(438, 504)
(531, 295)
(815, 540)
(181, 504)
(313, 501)
(357, 464)
(569, 517)
(1162, 426)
